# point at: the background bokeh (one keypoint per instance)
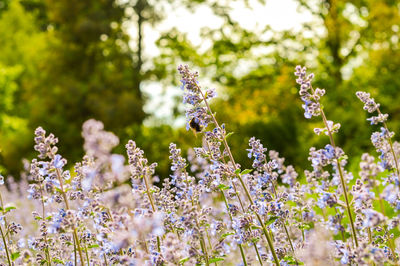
(65, 61)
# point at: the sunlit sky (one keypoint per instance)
(278, 14)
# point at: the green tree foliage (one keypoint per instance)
(88, 72)
(14, 128)
(73, 60)
(77, 64)
(22, 49)
(352, 43)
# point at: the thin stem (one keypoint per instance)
(74, 233)
(258, 254)
(2, 233)
(243, 209)
(75, 256)
(204, 249)
(230, 216)
(105, 260)
(47, 252)
(376, 186)
(5, 218)
(5, 245)
(202, 242)
(370, 240)
(391, 149)
(340, 223)
(234, 186)
(270, 244)
(87, 257)
(287, 234)
(369, 235)
(209, 243)
(339, 167)
(284, 220)
(153, 207)
(243, 256)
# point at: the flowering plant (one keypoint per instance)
(209, 210)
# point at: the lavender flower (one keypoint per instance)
(194, 96)
(309, 96)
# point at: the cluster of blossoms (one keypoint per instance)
(107, 211)
(194, 96)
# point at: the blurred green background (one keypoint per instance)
(65, 61)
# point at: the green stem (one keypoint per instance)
(87, 257)
(243, 256)
(270, 244)
(376, 186)
(287, 234)
(391, 149)
(75, 234)
(340, 223)
(369, 235)
(5, 245)
(283, 222)
(153, 207)
(204, 249)
(47, 252)
(105, 260)
(75, 256)
(258, 254)
(209, 243)
(339, 167)
(202, 242)
(5, 218)
(230, 216)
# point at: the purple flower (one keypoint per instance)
(58, 161)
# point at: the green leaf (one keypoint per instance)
(15, 255)
(223, 187)
(229, 134)
(237, 171)
(59, 190)
(291, 260)
(304, 227)
(216, 259)
(246, 171)
(93, 246)
(227, 234)
(10, 208)
(271, 220)
(58, 261)
(182, 261)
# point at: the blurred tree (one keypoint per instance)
(347, 43)
(88, 73)
(13, 128)
(23, 46)
(78, 62)
(359, 41)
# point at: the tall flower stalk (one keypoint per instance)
(47, 149)
(3, 232)
(313, 107)
(385, 135)
(203, 116)
(140, 169)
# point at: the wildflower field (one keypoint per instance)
(209, 211)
